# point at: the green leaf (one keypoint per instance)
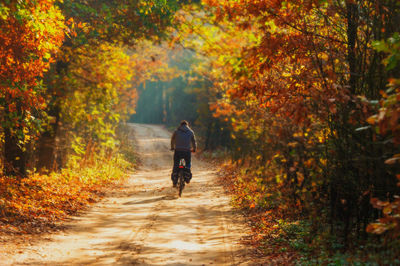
(380, 46)
(391, 62)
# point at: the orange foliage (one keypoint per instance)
(34, 203)
(29, 35)
(249, 195)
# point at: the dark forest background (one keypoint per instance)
(186, 97)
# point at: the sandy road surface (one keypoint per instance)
(145, 223)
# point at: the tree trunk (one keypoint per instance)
(15, 157)
(352, 27)
(208, 136)
(47, 144)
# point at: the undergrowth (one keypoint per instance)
(286, 236)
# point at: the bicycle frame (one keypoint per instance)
(181, 176)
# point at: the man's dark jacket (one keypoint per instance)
(182, 138)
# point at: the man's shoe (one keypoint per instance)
(174, 179)
(188, 177)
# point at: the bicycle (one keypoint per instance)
(181, 176)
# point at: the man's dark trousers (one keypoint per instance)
(187, 155)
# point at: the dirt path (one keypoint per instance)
(145, 223)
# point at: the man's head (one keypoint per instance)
(184, 123)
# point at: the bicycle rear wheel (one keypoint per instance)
(181, 182)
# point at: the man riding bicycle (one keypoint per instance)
(183, 142)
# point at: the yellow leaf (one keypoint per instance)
(387, 210)
(371, 120)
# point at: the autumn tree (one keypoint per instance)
(30, 34)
